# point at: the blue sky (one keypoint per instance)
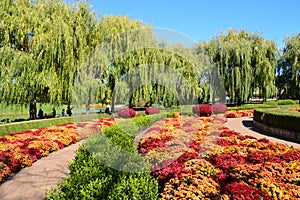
(201, 20)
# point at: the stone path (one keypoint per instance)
(31, 183)
(245, 126)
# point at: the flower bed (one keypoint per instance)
(126, 112)
(239, 113)
(198, 156)
(202, 110)
(150, 111)
(19, 150)
(219, 108)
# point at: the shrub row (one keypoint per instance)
(129, 112)
(266, 104)
(103, 167)
(150, 111)
(207, 110)
(280, 118)
(126, 113)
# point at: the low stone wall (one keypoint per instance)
(293, 136)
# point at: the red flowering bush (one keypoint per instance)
(224, 142)
(152, 143)
(202, 110)
(231, 115)
(170, 169)
(227, 161)
(219, 108)
(126, 112)
(150, 111)
(243, 191)
(262, 157)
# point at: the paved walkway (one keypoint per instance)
(31, 183)
(245, 126)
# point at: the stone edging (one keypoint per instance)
(279, 132)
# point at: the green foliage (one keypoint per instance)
(246, 62)
(252, 106)
(37, 47)
(103, 166)
(271, 103)
(143, 83)
(146, 121)
(280, 118)
(187, 112)
(266, 104)
(135, 186)
(91, 179)
(288, 78)
(287, 102)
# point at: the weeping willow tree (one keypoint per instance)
(157, 77)
(43, 43)
(246, 62)
(102, 67)
(62, 53)
(169, 75)
(130, 67)
(288, 68)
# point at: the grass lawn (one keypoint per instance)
(18, 111)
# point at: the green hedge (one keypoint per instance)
(266, 104)
(103, 167)
(287, 102)
(43, 123)
(280, 118)
(253, 106)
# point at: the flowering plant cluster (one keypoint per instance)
(219, 108)
(198, 157)
(239, 113)
(88, 127)
(19, 150)
(203, 110)
(126, 113)
(150, 111)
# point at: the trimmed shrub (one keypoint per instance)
(272, 103)
(150, 111)
(286, 102)
(219, 108)
(202, 110)
(91, 176)
(280, 118)
(126, 112)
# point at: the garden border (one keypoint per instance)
(279, 122)
(289, 135)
